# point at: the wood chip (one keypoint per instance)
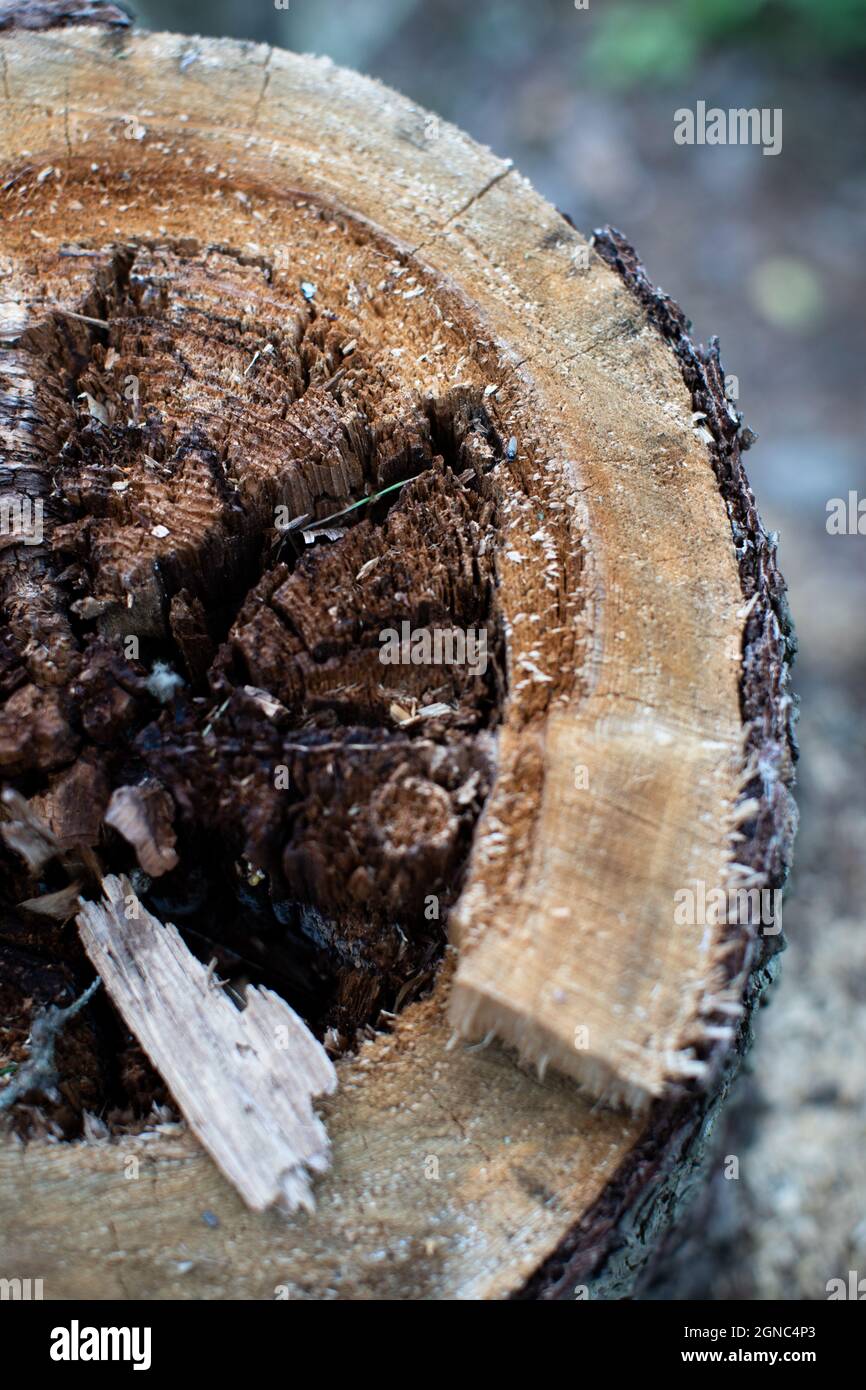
(367, 567)
(95, 407)
(399, 714)
(143, 816)
(328, 533)
(26, 832)
(244, 1080)
(59, 906)
(269, 707)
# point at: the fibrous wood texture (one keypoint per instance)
(244, 1079)
(573, 507)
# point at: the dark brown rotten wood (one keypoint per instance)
(282, 373)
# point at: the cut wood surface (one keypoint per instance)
(642, 747)
(244, 1079)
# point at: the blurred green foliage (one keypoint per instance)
(662, 39)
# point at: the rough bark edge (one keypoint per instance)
(61, 14)
(611, 1244)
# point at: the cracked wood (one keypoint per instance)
(244, 1079)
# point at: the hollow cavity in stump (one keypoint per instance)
(253, 646)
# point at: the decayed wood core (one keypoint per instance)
(309, 809)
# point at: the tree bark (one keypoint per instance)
(245, 289)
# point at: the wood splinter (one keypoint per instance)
(244, 1079)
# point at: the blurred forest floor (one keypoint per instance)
(768, 253)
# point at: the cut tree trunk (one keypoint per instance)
(290, 365)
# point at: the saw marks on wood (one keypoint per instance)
(595, 977)
(244, 1079)
(453, 1174)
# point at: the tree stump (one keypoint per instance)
(290, 364)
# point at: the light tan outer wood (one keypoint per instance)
(452, 1173)
(654, 718)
